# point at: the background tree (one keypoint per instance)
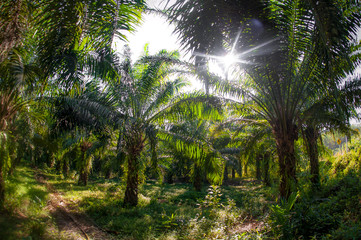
(16, 73)
(286, 76)
(192, 142)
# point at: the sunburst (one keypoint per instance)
(229, 60)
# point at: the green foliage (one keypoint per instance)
(332, 213)
(25, 215)
(105, 110)
(349, 231)
(164, 211)
(212, 199)
(280, 215)
(348, 162)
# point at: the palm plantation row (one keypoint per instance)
(69, 101)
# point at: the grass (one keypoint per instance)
(176, 211)
(25, 216)
(166, 211)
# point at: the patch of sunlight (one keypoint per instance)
(179, 191)
(170, 236)
(151, 190)
(147, 219)
(143, 200)
(22, 190)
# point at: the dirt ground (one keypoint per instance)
(69, 223)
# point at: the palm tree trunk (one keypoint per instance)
(131, 192)
(134, 145)
(225, 174)
(258, 167)
(84, 163)
(266, 177)
(2, 186)
(285, 141)
(83, 177)
(168, 176)
(108, 173)
(197, 177)
(2, 177)
(240, 169)
(66, 168)
(246, 169)
(312, 136)
(15, 162)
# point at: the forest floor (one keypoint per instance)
(70, 223)
(64, 210)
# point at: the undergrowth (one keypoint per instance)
(25, 215)
(166, 211)
(176, 211)
(331, 212)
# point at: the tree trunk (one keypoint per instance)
(197, 177)
(2, 177)
(2, 185)
(258, 167)
(83, 176)
(225, 173)
(131, 192)
(285, 140)
(312, 148)
(16, 162)
(168, 177)
(108, 173)
(245, 170)
(65, 168)
(240, 169)
(233, 173)
(84, 164)
(134, 144)
(266, 177)
(83, 179)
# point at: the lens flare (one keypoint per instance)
(229, 60)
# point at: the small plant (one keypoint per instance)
(280, 216)
(169, 222)
(212, 199)
(211, 203)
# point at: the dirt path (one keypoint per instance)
(70, 224)
(248, 225)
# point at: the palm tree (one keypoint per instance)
(145, 97)
(15, 21)
(141, 98)
(286, 93)
(16, 71)
(329, 118)
(210, 28)
(253, 139)
(191, 143)
(287, 77)
(64, 33)
(83, 131)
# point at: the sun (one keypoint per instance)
(229, 60)
(220, 65)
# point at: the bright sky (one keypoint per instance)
(154, 31)
(158, 34)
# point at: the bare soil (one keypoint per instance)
(70, 223)
(248, 225)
